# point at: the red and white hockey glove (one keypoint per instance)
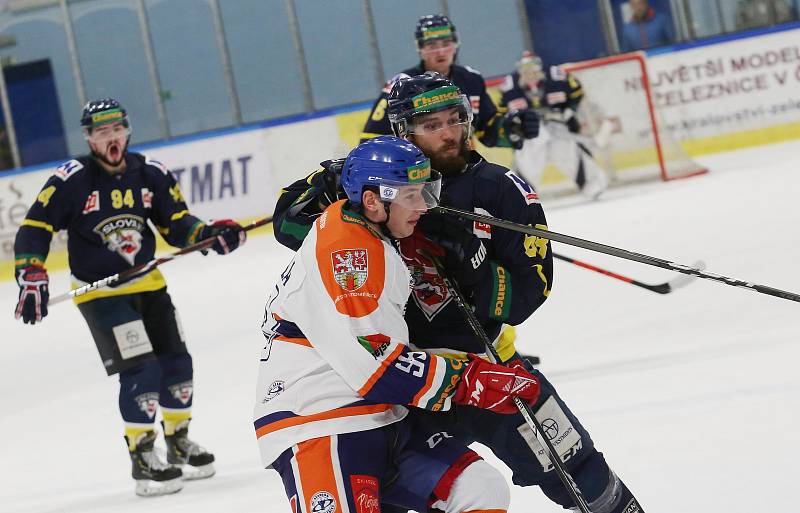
(33, 294)
(229, 235)
(492, 387)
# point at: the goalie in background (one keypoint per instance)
(556, 95)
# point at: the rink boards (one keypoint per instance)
(718, 95)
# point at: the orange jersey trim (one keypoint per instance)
(347, 411)
(363, 391)
(428, 382)
(315, 466)
(299, 341)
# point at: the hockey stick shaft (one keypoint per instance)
(524, 409)
(658, 288)
(142, 269)
(620, 253)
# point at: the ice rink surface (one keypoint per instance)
(693, 396)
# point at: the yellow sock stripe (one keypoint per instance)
(134, 432)
(173, 418)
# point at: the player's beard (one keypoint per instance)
(450, 166)
(113, 153)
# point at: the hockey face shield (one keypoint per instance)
(109, 132)
(420, 193)
(109, 141)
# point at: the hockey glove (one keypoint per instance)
(228, 234)
(521, 125)
(465, 254)
(326, 182)
(33, 294)
(571, 120)
(493, 387)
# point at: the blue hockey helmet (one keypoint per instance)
(394, 168)
(433, 27)
(424, 94)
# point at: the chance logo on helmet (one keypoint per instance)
(429, 33)
(437, 99)
(432, 27)
(420, 172)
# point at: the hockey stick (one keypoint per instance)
(141, 269)
(524, 409)
(617, 252)
(659, 288)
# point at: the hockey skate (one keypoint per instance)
(153, 476)
(196, 462)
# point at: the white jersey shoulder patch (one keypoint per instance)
(473, 70)
(68, 169)
(557, 73)
(524, 187)
(155, 163)
(507, 84)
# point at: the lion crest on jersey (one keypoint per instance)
(182, 391)
(148, 403)
(428, 289)
(350, 268)
(122, 234)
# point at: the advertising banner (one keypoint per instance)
(235, 175)
(741, 85)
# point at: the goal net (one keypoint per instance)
(622, 125)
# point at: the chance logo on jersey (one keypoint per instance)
(122, 234)
(350, 268)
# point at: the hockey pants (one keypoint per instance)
(393, 468)
(556, 145)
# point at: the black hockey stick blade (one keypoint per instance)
(659, 288)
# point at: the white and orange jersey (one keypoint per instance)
(337, 358)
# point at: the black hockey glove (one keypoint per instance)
(521, 125)
(326, 182)
(33, 294)
(228, 234)
(465, 253)
(571, 120)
